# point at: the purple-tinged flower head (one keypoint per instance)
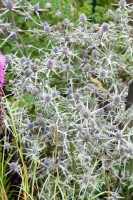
(58, 13)
(103, 74)
(54, 27)
(14, 36)
(130, 150)
(23, 59)
(46, 163)
(68, 67)
(95, 53)
(55, 49)
(65, 50)
(69, 90)
(79, 107)
(56, 94)
(86, 113)
(36, 7)
(119, 135)
(82, 18)
(45, 24)
(34, 150)
(116, 99)
(25, 90)
(28, 72)
(13, 166)
(87, 67)
(30, 125)
(84, 53)
(67, 38)
(8, 58)
(90, 86)
(122, 150)
(96, 90)
(9, 4)
(52, 127)
(85, 61)
(47, 98)
(122, 3)
(66, 22)
(47, 29)
(84, 30)
(2, 69)
(86, 137)
(85, 178)
(40, 121)
(34, 91)
(105, 27)
(50, 64)
(77, 96)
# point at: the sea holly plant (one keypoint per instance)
(68, 135)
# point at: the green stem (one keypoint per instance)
(73, 157)
(14, 24)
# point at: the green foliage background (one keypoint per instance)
(79, 6)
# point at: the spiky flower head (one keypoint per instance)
(105, 27)
(9, 4)
(122, 3)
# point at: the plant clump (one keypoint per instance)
(64, 118)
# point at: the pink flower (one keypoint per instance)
(2, 75)
(2, 69)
